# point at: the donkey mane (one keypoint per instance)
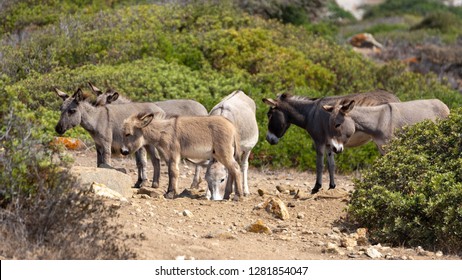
(288, 96)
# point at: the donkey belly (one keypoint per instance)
(358, 139)
(197, 152)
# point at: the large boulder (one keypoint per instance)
(113, 179)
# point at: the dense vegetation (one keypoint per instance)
(201, 50)
(413, 195)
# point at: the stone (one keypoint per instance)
(439, 254)
(277, 207)
(261, 192)
(332, 248)
(104, 191)
(373, 253)
(188, 213)
(259, 227)
(361, 237)
(282, 189)
(113, 179)
(348, 242)
(301, 215)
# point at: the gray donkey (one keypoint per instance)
(380, 122)
(174, 107)
(240, 110)
(104, 126)
(308, 114)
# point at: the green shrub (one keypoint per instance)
(413, 194)
(443, 21)
(44, 213)
(201, 51)
(414, 7)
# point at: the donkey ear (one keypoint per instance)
(347, 106)
(113, 96)
(144, 119)
(61, 94)
(78, 95)
(328, 108)
(94, 89)
(270, 102)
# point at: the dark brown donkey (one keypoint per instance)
(308, 114)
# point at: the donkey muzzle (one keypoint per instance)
(271, 138)
(59, 129)
(124, 151)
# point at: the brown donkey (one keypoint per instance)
(192, 137)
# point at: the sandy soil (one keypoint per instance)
(192, 227)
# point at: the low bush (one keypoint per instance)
(44, 213)
(413, 195)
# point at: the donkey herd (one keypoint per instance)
(221, 140)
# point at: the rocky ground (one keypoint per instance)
(190, 227)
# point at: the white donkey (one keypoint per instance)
(240, 110)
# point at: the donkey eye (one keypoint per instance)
(337, 125)
(127, 135)
(222, 180)
(72, 111)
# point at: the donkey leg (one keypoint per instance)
(141, 162)
(236, 176)
(155, 160)
(104, 156)
(331, 167)
(197, 177)
(245, 168)
(99, 155)
(173, 172)
(228, 187)
(319, 167)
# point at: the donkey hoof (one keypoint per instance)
(315, 190)
(331, 187)
(236, 198)
(170, 195)
(141, 183)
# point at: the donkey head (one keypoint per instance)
(70, 112)
(103, 98)
(132, 130)
(278, 120)
(341, 125)
(216, 177)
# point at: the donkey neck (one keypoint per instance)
(91, 116)
(297, 111)
(159, 129)
(370, 119)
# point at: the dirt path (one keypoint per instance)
(192, 227)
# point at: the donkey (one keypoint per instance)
(191, 137)
(174, 107)
(380, 122)
(103, 124)
(240, 110)
(308, 114)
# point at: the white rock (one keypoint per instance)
(104, 191)
(373, 253)
(188, 213)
